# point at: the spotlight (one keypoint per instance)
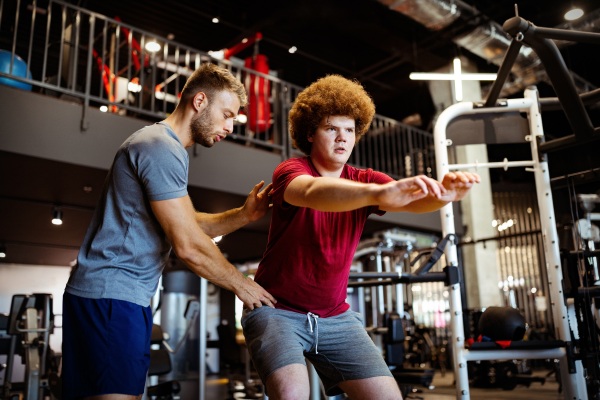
(57, 217)
(573, 14)
(152, 46)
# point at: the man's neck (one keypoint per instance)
(332, 170)
(181, 127)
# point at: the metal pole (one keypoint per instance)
(574, 384)
(202, 340)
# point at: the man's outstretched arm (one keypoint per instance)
(334, 194)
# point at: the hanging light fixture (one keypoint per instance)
(573, 14)
(57, 216)
(457, 76)
(152, 46)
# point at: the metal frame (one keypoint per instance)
(571, 371)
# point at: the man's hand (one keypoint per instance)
(258, 202)
(397, 194)
(253, 295)
(457, 184)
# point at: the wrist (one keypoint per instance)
(245, 215)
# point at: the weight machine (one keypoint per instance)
(29, 325)
(576, 370)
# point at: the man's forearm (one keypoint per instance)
(222, 223)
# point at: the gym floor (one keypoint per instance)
(443, 389)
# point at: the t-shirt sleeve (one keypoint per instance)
(162, 167)
(284, 174)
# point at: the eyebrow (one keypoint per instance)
(328, 124)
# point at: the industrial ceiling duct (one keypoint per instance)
(489, 41)
(434, 14)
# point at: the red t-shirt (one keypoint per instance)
(309, 253)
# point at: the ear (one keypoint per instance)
(310, 138)
(198, 100)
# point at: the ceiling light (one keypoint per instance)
(215, 20)
(293, 49)
(219, 54)
(2, 251)
(152, 46)
(57, 217)
(457, 76)
(134, 86)
(573, 14)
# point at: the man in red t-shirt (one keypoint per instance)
(320, 206)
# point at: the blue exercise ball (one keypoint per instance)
(19, 69)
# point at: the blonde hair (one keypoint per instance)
(211, 79)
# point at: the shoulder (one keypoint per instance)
(365, 175)
(293, 165)
(155, 139)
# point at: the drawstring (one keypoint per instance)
(316, 318)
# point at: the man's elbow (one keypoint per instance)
(186, 253)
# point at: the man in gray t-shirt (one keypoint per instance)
(144, 212)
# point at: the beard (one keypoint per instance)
(202, 129)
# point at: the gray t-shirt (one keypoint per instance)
(125, 249)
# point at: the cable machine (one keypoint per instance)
(578, 359)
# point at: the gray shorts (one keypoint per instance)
(339, 347)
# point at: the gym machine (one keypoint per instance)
(574, 374)
(28, 328)
(392, 329)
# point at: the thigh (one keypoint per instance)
(376, 388)
(289, 382)
(106, 347)
(346, 352)
(275, 339)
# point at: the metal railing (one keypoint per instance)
(71, 53)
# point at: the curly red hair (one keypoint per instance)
(328, 96)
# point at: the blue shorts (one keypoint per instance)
(106, 347)
(338, 347)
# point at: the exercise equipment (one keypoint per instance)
(395, 357)
(502, 324)
(392, 329)
(257, 85)
(12, 64)
(160, 364)
(259, 92)
(505, 375)
(28, 328)
(523, 32)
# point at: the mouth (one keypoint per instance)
(218, 138)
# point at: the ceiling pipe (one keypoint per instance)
(489, 41)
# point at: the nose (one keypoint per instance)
(228, 128)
